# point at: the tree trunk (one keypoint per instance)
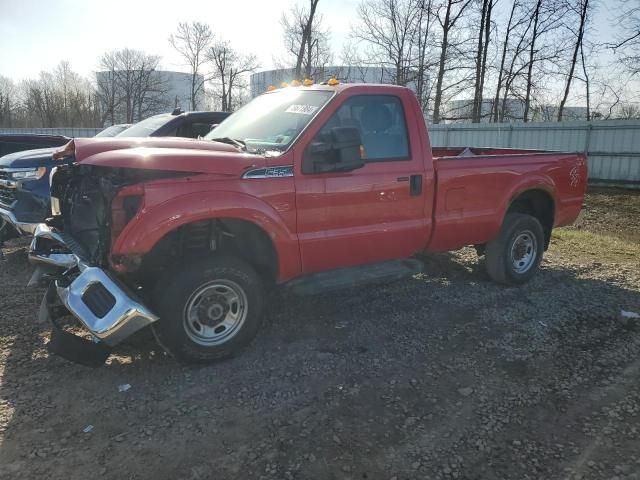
(483, 71)
(532, 53)
(442, 64)
(306, 34)
(583, 17)
(586, 82)
(475, 115)
(503, 59)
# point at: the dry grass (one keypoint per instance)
(613, 212)
(608, 230)
(582, 245)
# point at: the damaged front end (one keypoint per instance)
(90, 205)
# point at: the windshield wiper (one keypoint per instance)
(231, 141)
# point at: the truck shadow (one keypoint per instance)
(390, 323)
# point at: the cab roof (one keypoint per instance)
(364, 87)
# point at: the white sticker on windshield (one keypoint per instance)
(302, 109)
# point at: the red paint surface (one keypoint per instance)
(323, 221)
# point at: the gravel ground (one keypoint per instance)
(445, 375)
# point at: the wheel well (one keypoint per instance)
(237, 237)
(538, 204)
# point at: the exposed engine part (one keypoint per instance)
(83, 195)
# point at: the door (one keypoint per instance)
(370, 214)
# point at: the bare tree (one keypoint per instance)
(517, 27)
(388, 29)
(627, 44)
(581, 8)
(191, 41)
(629, 111)
(60, 98)
(306, 40)
(546, 46)
(453, 12)
(484, 32)
(8, 101)
(130, 87)
(425, 55)
(230, 68)
(532, 53)
(586, 80)
(107, 87)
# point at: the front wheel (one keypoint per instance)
(514, 256)
(209, 310)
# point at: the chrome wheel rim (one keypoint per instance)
(215, 313)
(523, 251)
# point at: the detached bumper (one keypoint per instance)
(103, 306)
(106, 307)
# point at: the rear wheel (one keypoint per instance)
(514, 256)
(209, 310)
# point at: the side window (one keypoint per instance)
(200, 129)
(193, 129)
(382, 125)
(185, 130)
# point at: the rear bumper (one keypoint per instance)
(103, 304)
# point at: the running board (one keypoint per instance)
(345, 278)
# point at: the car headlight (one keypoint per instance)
(28, 173)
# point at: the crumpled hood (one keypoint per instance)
(168, 154)
(27, 158)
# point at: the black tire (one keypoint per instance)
(179, 335)
(515, 270)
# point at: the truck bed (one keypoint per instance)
(466, 152)
(476, 185)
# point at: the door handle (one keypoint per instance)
(415, 185)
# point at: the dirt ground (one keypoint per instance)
(445, 375)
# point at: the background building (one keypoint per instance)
(460, 111)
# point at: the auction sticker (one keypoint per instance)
(302, 109)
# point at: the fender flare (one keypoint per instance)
(150, 225)
(533, 182)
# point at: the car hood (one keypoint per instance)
(27, 158)
(168, 154)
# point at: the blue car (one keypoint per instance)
(24, 176)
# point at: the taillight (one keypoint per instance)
(67, 151)
(124, 206)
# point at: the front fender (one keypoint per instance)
(150, 225)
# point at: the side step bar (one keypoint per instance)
(344, 278)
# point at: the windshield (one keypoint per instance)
(112, 131)
(146, 127)
(270, 122)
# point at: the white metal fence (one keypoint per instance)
(69, 132)
(612, 146)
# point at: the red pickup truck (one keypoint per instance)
(317, 187)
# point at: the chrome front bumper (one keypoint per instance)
(103, 304)
(24, 228)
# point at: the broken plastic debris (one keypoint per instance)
(124, 387)
(626, 314)
(87, 429)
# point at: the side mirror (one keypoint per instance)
(339, 151)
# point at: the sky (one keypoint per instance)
(36, 35)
